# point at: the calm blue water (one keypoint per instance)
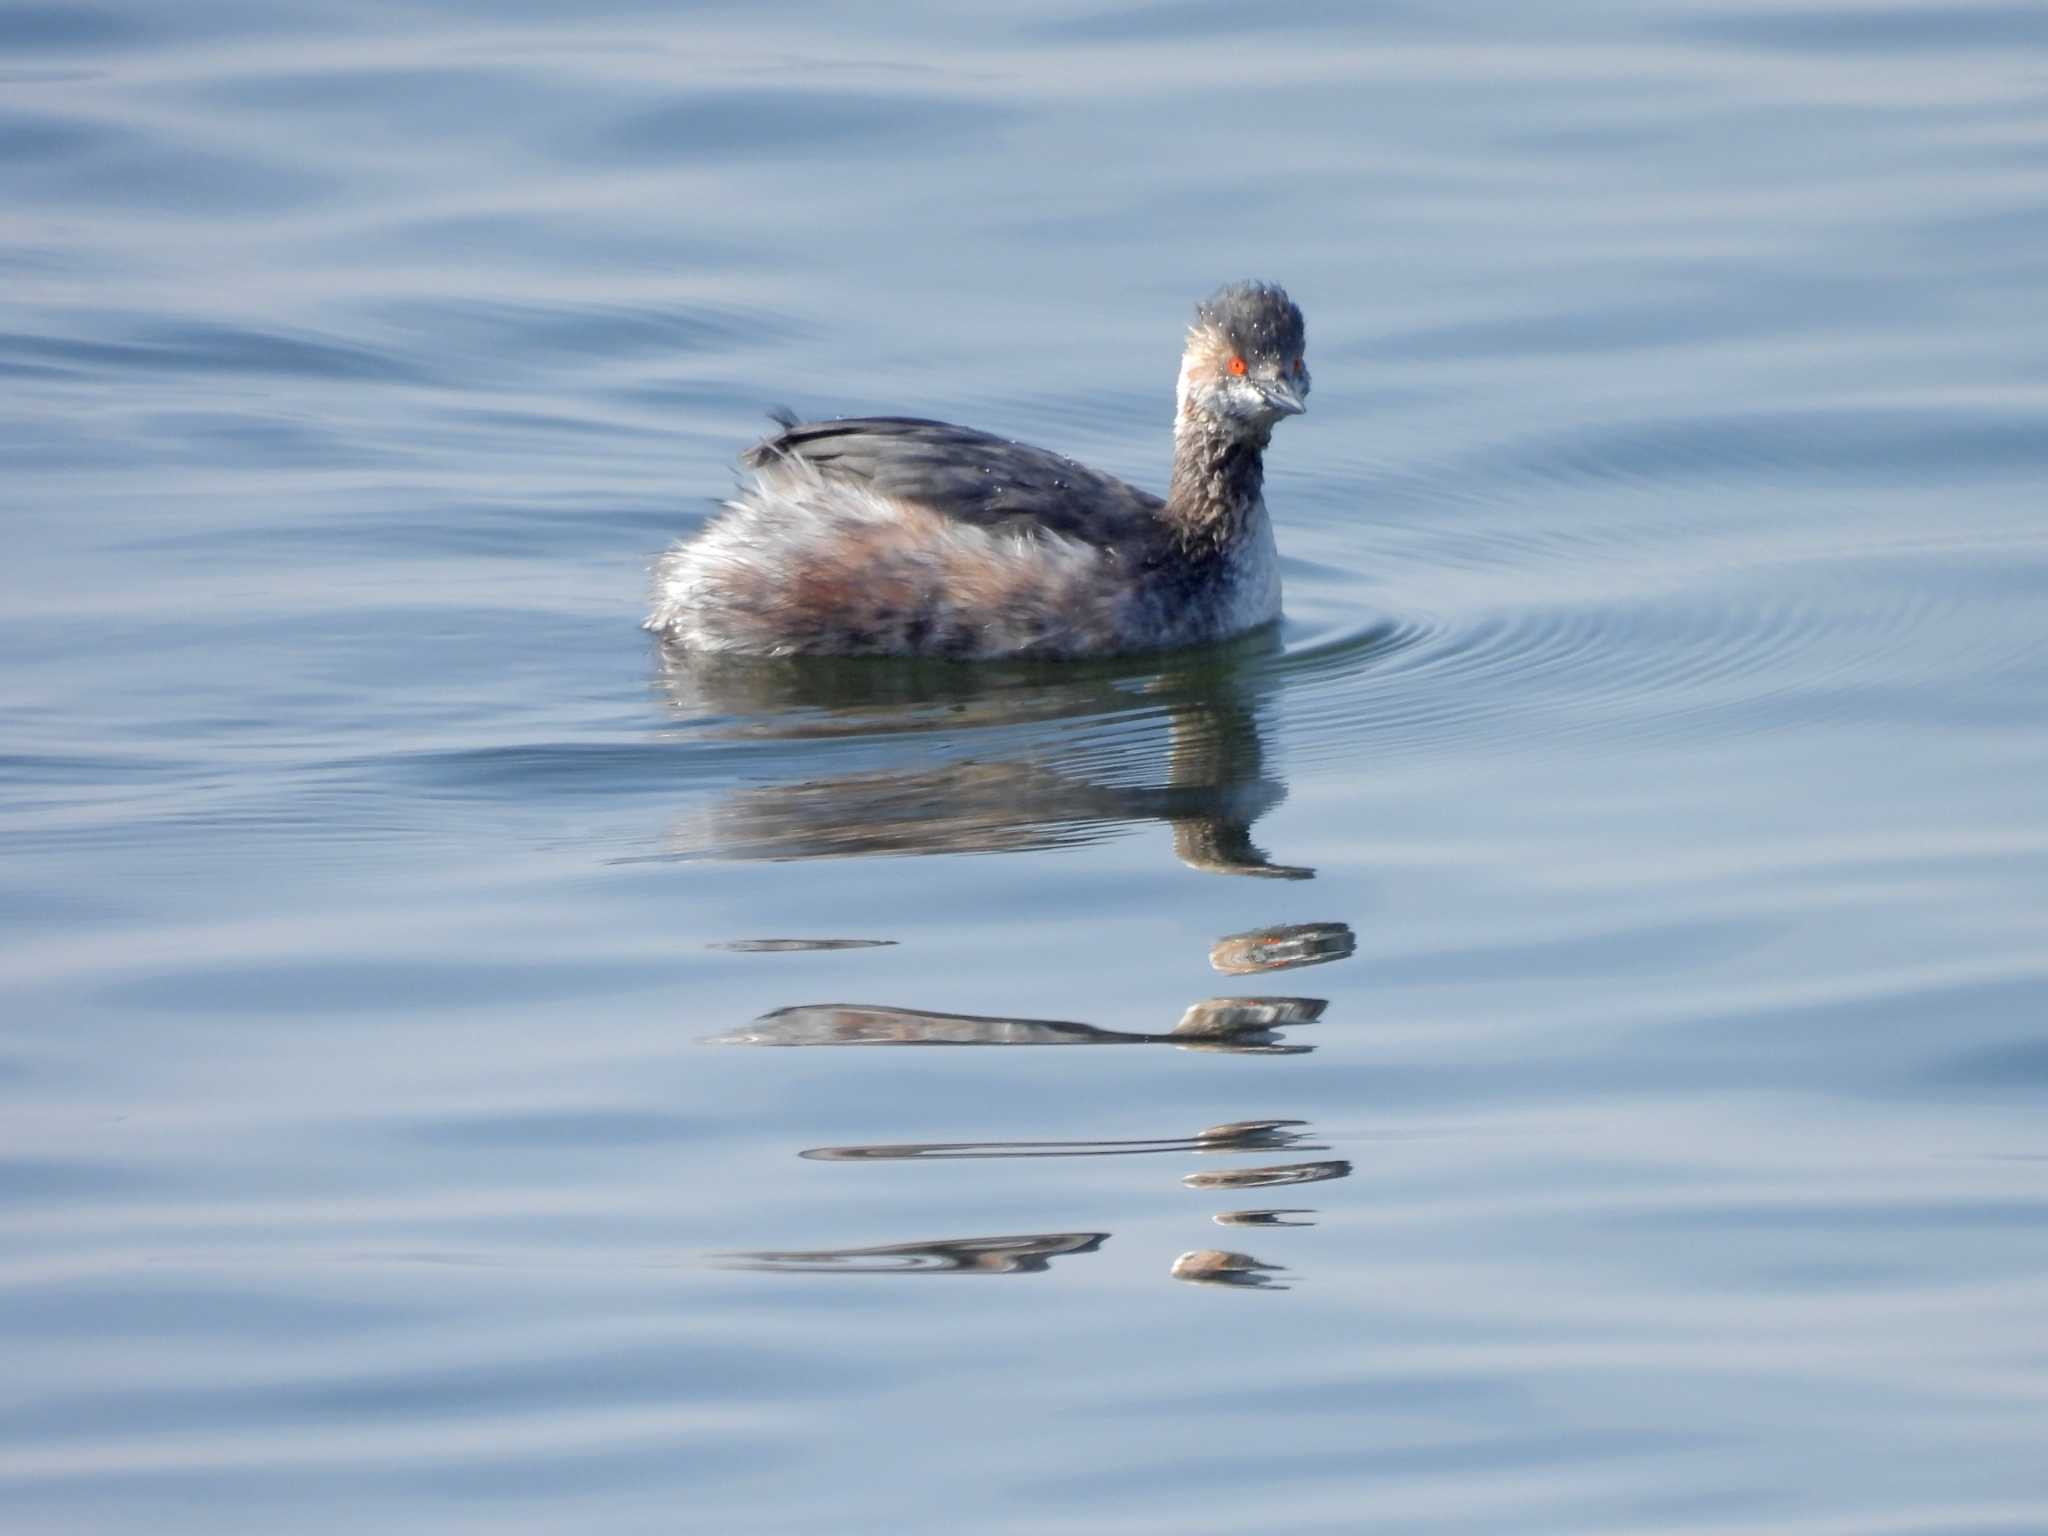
(1584, 980)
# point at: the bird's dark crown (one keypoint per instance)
(1257, 319)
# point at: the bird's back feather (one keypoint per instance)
(971, 477)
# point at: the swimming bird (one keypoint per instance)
(900, 536)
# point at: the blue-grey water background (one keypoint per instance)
(1660, 707)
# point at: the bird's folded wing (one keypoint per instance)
(980, 479)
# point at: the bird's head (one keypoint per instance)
(1244, 366)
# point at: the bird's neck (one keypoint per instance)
(1219, 473)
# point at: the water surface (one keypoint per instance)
(1585, 972)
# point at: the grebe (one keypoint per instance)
(897, 536)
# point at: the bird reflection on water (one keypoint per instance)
(1032, 1253)
(1285, 948)
(1217, 1266)
(1240, 1024)
(1018, 785)
(1028, 1253)
(1222, 1023)
(1238, 1136)
(1276, 1217)
(1236, 1024)
(796, 946)
(1258, 1178)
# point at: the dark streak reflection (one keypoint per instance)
(1028, 1253)
(1240, 1136)
(1023, 788)
(1267, 1218)
(796, 946)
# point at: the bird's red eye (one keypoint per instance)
(1300, 366)
(1236, 365)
